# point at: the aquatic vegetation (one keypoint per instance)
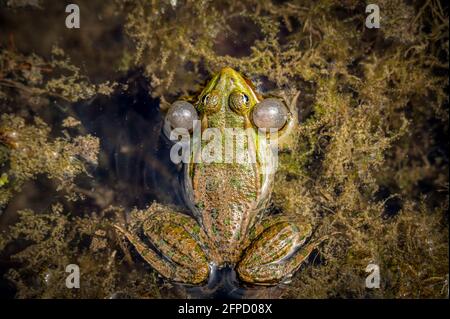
(368, 164)
(28, 152)
(36, 78)
(56, 239)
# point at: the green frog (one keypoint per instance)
(227, 199)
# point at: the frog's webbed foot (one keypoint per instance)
(175, 248)
(276, 253)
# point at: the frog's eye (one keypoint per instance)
(238, 102)
(210, 102)
(270, 113)
(181, 114)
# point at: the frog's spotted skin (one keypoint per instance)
(235, 191)
(227, 200)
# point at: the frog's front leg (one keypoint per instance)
(276, 252)
(176, 248)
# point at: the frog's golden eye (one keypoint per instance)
(270, 113)
(210, 103)
(239, 102)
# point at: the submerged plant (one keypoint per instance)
(369, 165)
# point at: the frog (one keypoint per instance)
(228, 224)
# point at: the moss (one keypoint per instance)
(29, 152)
(373, 113)
(54, 240)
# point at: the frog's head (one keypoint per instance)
(227, 101)
(230, 101)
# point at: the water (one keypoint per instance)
(134, 160)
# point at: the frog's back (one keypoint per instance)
(226, 196)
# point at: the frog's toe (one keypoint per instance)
(275, 254)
